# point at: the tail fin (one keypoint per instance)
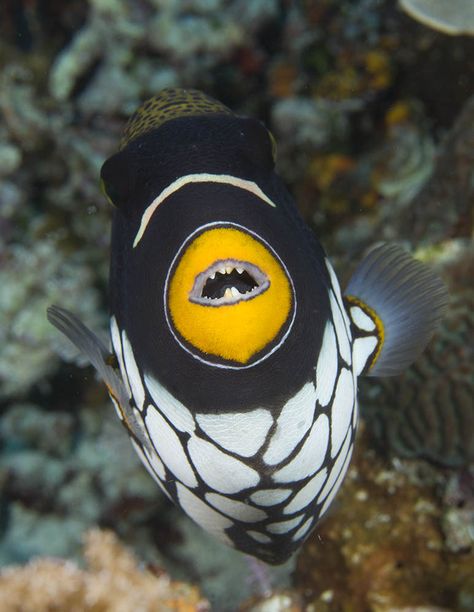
(394, 303)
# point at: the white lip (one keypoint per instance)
(232, 295)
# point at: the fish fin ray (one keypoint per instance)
(405, 300)
(91, 347)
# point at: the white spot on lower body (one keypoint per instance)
(307, 494)
(294, 421)
(148, 467)
(240, 432)
(156, 464)
(169, 447)
(259, 537)
(304, 529)
(326, 370)
(203, 515)
(284, 526)
(311, 455)
(167, 404)
(270, 497)
(362, 350)
(235, 509)
(341, 329)
(220, 471)
(342, 407)
(337, 484)
(336, 468)
(133, 373)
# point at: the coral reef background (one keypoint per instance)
(373, 114)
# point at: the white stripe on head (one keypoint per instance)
(203, 177)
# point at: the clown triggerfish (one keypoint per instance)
(237, 356)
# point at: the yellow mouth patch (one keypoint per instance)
(229, 295)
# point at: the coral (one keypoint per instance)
(458, 518)
(190, 37)
(427, 412)
(443, 208)
(366, 106)
(457, 19)
(286, 601)
(383, 548)
(113, 581)
(32, 277)
(53, 244)
(302, 124)
(57, 483)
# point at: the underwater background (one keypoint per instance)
(372, 109)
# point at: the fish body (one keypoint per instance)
(237, 353)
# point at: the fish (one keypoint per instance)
(234, 353)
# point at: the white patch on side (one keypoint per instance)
(337, 291)
(115, 336)
(270, 497)
(259, 537)
(341, 329)
(336, 468)
(235, 509)
(174, 411)
(303, 530)
(169, 447)
(311, 455)
(361, 319)
(306, 495)
(156, 464)
(337, 485)
(294, 421)
(148, 467)
(117, 344)
(326, 370)
(284, 526)
(362, 349)
(341, 412)
(220, 471)
(240, 432)
(204, 515)
(134, 377)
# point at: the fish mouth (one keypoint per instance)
(228, 281)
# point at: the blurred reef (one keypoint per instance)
(373, 113)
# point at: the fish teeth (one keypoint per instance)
(228, 293)
(222, 270)
(228, 269)
(212, 276)
(235, 292)
(240, 270)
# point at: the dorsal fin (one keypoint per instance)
(170, 104)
